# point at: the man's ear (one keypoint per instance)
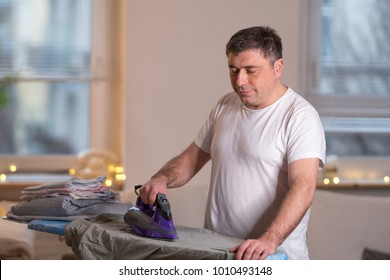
(278, 67)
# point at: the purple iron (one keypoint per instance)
(152, 221)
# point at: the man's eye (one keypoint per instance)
(234, 71)
(250, 71)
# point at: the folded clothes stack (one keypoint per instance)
(67, 200)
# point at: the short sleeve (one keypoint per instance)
(306, 137)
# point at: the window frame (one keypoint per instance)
(106, 92)
(334, 105)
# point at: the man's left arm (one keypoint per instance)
(302, 180)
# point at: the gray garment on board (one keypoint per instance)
(108, 237)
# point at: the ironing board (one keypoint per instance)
(108, 237)
(50, 226)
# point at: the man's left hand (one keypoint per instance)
(253, 249)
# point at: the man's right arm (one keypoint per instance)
(174, 173)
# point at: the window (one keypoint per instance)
(348, 77)
(45, 49)
(56, 92)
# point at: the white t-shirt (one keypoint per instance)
(250, 152)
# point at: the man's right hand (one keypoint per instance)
(175, 173)
(150, 189)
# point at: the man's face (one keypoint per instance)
(254, 79)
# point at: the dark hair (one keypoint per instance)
(262, 38)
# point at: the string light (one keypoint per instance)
(72, 171)
(108, 182)
(117, 173)
(326, 181)
(3, 177)
(12, 168)
(120, 177)
(119, 169)
(111, 168)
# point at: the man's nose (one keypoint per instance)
(242, 78)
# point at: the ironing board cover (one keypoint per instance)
(108, 237)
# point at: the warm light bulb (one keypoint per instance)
(119, 169)
(120, 177)
(336, 180)
(72, 171)
(326, 181)
(386, 179)
(111, 168)
(3, 177)
(108, 182)
(12, 168)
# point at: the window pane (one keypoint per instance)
(355, 53)
(45, 37)
(358, 144)
(45, 53)
(353, 92)
(45, 118)
(357, 136)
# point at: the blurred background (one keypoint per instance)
(80, 75)
(118, 87)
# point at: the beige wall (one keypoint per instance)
(177, 71)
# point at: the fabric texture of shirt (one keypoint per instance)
(250, 152)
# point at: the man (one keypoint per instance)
(266, 144)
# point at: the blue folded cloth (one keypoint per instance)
(51, 226)
(278, 255)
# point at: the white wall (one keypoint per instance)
(177, 70)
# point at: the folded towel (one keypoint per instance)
(64, 208)
(76, 188)
(66, 200)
